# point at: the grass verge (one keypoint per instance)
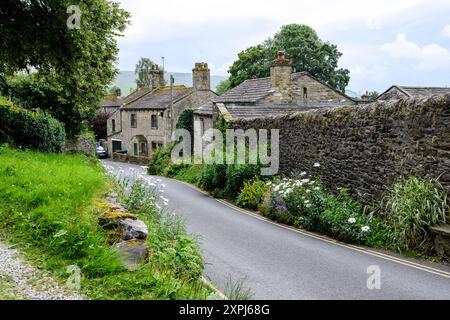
(48, 207)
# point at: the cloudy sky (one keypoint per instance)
(383, 42)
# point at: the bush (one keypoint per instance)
(160, 159)
(169, 241)
(413, 206)
(236, 175)
(252, 194)
(30, 130)
(214, 178)
(305, 203)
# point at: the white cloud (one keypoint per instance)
(374, 23)
(171, 18)
(446, 31)
(429, 57)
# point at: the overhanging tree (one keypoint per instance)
(142, 72)
(76, 63)
(306, 51)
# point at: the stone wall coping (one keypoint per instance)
(442, 230)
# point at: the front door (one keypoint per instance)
(135, 149)
(144, 149)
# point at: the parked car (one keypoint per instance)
(101, 152)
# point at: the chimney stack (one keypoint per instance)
(201, 78)
(156, 77)
(281, 71)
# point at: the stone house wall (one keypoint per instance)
(162, 134)
(294, 92)
(366, 148)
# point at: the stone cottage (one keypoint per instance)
(397, 92)
(281, 93)
(110, 104)
(147, 117)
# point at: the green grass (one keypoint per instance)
(48, 205)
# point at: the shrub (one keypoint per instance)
(305, 203)
(160, 159)
(413, 206)
(168, 239)
(214, 177)
(30, 130)
(236, 175)
(252, 194)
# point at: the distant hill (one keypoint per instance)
(126, 80)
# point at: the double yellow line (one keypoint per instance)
(369, 252)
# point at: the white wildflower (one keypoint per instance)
(305, 181)
(351, 220)
(308, 205)
(316, 165)
(365, 229)
(303, 174)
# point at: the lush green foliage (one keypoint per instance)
(303, 46)
(160, 160)
(115, 90)
(223, 86)
(142, 72)
(36, 92)
(48, 204)
(47, 201)
(76, 64)
(252, 194)
(306, 204)
(28, 129)
(170, 244)
(413, 206)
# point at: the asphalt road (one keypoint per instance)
(276, 262)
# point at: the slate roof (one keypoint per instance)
(418, 91)
(252, 90)
(158, 99)
(111, 101)
(424, 91)
(264, 110)
(136, 95)
(205, 110)
(248, 91)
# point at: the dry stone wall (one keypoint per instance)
(366, 148)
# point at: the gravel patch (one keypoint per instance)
(20, 280)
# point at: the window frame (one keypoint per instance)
(133, 116)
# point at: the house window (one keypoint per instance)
(113, 125)
(202, 126)
(133, 120)
(156, 145)
(154, 121)
(305, 93)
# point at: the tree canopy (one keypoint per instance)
(306, 51)
(75, 63)
(223, 86)
(142, 72)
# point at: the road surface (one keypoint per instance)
(277, 262)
